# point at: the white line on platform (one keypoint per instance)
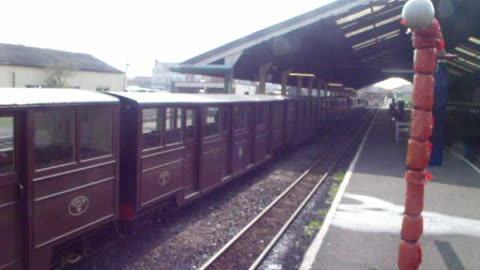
(475, 168)
(314, 248)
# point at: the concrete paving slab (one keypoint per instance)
(364, 230)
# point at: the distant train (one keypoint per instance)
(74, 161)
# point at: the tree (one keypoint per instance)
(60, 73)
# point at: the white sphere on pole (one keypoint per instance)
(418, 14)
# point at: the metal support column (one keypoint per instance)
(299, 86)
(285, 74)
(439, 114)
(262, 77)
(311, 82)
(228, 81)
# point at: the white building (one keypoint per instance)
(22, 66)
(163, 78)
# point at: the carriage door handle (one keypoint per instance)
(21, 190)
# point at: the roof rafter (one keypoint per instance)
(461, 66)
(381, 30)
(373, 18)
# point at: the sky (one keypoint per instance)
(392, 83)
(138, 32)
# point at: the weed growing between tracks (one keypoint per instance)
(315, 224)
(337, 180)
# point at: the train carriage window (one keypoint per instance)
(6, 145)
(239, 117)
(189, 123)
(173, 132)
(54, 137)
(211, 121)
(95, 132)
(260, 114)
(169, 119)
(152, 127)
(179, 118)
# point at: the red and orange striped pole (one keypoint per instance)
(427, 41)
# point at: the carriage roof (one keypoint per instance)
(24, 97)
(174, 98)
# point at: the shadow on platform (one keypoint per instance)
(364, 230)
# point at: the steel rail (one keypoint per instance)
(292, 218)
(299, 179)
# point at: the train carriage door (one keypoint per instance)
(303, 106)
(10, 194)
(241, 144)
(276, 126)
(214, 161)
(162, 156)
(290, 117)
(192, 143)
(261, 132)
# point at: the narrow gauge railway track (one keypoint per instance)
(251, 245)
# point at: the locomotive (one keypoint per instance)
(74, 161)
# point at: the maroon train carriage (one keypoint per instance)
(58, 170)
(322, 111)
(60, 151)
(177, 147)
(290, 122)
(332, 108)
(306, 116)
(278, 110)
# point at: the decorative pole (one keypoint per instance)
(419, 15)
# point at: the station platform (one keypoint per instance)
(362, 229)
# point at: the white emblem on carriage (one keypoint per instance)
(164, 178)
(240, 151)
(78, 206)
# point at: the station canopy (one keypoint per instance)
(353, 42)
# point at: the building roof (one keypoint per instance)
(354, 42)
(26, 97)
(171, 98)
(19, 55)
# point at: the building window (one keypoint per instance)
(7, 152)
(152, 127)
(103, 89)
(54, 137)
(95, 132)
